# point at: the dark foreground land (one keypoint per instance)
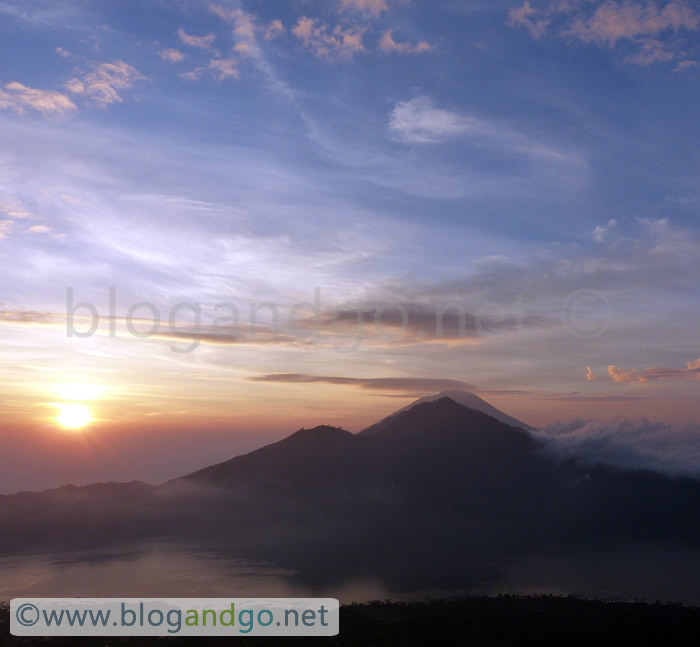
(503, 620)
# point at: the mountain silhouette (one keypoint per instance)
(436, 450)
(465, 398)
(438, 494)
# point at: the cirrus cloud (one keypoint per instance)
(418, 121)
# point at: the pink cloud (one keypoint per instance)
(525, 16)
(610, 21)
(102, 85)
(171, 55)
(336, 45)
(389, 45)
(202, 42)
(613, 21)
(652, 51)
(274, 29)
(50, 103)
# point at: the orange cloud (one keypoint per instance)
(622, 376)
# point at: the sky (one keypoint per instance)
(223, 221)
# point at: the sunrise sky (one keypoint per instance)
(529, 170)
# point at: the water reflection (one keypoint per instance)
(154, 570)
(172, 570)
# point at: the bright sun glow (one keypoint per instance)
(79, 392)
(73, 416)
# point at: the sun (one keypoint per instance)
(73, 416)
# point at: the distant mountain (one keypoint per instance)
(465, 398)
(402, 456)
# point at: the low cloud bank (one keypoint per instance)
(626, 444)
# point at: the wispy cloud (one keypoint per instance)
(40, 229)
(613, 21)
(601, 231)
(14, 208)
(224, 68)
(104, 84)
(372, 7)
(652, 51)
(274, 29)
(50, 103)
(624, 376)
(396, 323)
(418, 121)
(220, 69)
(30, 317)
(389, 45)
(201, 42)
(529, 18)
(426, 385)
(369, 8)
(171, 55)
(644, 25)
(684, 66)
(336, 45)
